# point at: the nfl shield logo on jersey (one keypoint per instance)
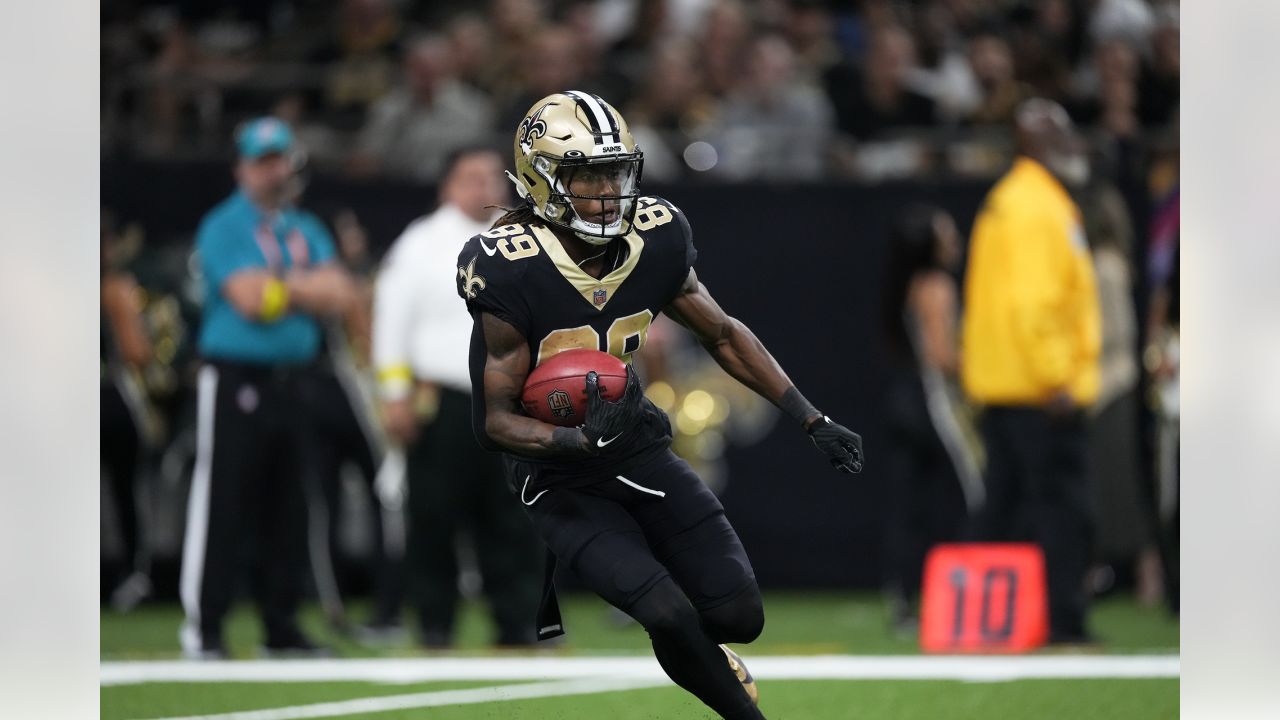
(558, 401)
(599, 296)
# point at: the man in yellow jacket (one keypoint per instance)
(1031, 341)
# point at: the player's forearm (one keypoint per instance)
(746, 359)
(534, 438)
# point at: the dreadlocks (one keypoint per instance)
(519, 215)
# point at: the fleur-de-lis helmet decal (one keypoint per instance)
(532, 128)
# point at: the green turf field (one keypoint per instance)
(787, 700)
(797, 625)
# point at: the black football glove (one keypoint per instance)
(607, 421)
(842, 446)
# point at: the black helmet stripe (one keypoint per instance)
(598, 117)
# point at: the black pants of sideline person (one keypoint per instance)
(246, 505)
(121, 453)
(1037, 491)
(342, 436)
(925, 504)
(457, 488)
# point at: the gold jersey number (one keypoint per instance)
(649, 214)
(626, 335)
(513, 242)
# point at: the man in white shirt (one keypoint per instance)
(421, 336)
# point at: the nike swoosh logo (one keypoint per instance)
(601, 442)
(488, 250)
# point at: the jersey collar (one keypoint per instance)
(596, 292)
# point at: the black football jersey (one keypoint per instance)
(523, 275)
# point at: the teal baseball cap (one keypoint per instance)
(263, 136)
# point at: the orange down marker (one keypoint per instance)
(984, 598)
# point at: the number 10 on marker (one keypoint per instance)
(984, 597)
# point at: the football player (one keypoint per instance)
(586, 262)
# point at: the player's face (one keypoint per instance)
(596, 190)
(266, 179)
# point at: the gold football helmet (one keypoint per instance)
(577, 136)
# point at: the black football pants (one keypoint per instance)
(341, 436)
(1037, 491)
(246, 505)
(654, 543)
(925, 505)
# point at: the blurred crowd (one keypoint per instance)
(869, 89)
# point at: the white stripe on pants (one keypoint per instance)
(193, 546)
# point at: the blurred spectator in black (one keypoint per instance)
(552, 67)
(1118, 101)
(124, 351)
(1048, 40)
(670, 108)
(1159, 89)
(1031, 340)
(808, 27)
(877, 98)
(1106, 90)
(413, 129)
(859, 22)
(470, 43)
(582, 18)
(1000, 92)
(359, 61)
(943, 74)
(672, 98)
(930, 464)
(725, 43)
(174, 89)
(1161, 352)
(515, 24)
(773, 126)
(630, 55)
(1125, 537)
(325, 146)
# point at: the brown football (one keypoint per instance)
(556, 390)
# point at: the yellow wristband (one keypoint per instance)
(275, 300)
(395, 381)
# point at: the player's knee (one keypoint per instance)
(740, 620)
(664, 610)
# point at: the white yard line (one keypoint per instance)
(638, 668)
(364, 706)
